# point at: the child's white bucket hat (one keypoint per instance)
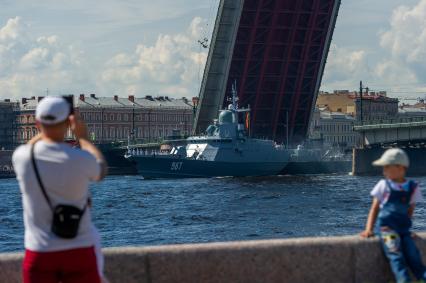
(393, 156)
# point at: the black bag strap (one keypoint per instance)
(40, 183)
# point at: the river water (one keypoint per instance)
(130, 211)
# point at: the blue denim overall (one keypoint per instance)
(395, 235)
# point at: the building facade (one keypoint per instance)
(375, 108)
(145, 119)
(112, 119)
(412, 110)
(375, 105)
(334, 129)
(25, 119)
(8, 124)
(338, 112)
(338, 101)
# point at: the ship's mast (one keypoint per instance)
(234, 96)
(235, 99)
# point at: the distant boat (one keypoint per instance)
(6, 167)
(317, 160)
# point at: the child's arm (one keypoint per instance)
(372, 216)
(411, 210)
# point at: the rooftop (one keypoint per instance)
(93, 101)
(335, 115)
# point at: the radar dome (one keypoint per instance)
(226, 117)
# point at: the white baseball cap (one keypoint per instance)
(393, 156)
(52, 110)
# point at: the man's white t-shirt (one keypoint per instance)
(65, 173)
(382, 191)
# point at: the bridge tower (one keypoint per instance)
(276, 51)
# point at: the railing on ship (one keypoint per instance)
(145, 152)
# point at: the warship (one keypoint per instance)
(308, 160)
(226, 149)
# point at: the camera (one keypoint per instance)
(70, 100)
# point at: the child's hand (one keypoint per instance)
(367, 234)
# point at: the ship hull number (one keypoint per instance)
(176, 166)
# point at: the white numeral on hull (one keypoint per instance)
(176, 166)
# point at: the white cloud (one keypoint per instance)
(406, 39)
(35, 58)
(30, 65)
(11, 30)
(399, 63)
(170, 66)
(345, 67)
(43, 55)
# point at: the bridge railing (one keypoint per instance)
(399, 120)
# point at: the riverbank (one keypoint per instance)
(334, 259)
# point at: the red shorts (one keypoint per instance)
(71, 266)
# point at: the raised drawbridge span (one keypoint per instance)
(276, 51)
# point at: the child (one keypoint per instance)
(393, 205)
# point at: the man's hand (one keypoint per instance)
(367, 234)
(78, 127)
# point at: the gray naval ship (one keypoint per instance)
(226, 149)
(312, 160)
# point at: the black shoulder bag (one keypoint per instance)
(66, 218)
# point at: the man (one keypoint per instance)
(64, 173)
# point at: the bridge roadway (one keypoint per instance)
(402, 130)
(408, 133)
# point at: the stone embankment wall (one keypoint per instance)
(363, 157)
(341, 259)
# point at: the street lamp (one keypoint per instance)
(361, 89)
(133, 122)
(195, 101)
(102, 123)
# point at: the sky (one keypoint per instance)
(141, 47)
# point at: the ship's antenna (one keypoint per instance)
(234, 95)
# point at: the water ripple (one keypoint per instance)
(131, 211)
